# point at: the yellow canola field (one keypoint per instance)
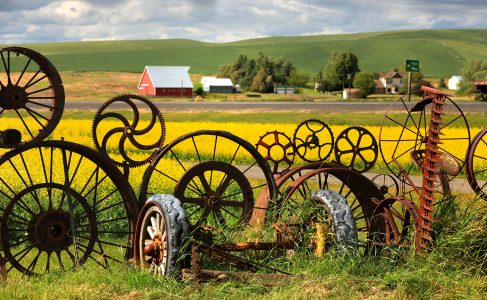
(79, 131)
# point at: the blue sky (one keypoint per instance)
(31, 21)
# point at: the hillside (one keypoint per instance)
(441, 52)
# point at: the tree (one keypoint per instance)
(365, 82)
(472, 71)
(339, 67)
(441, 83)
(416, 81)
(298, 78)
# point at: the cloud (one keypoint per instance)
(27, 21)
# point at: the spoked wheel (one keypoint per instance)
(214, 172)
(476, 167)
(359, 192)
(160, 235)
(387, 184)
(356, 149)
(31, 93)
(278, 150)
(215, 193)
(398, 217)
(317, 224)
(131, 137)
(63, 205)
(404, 135)
(313, 140)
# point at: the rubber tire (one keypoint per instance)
(343, 222)
(176, 225)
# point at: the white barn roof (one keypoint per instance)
(169, 76)
(212, 81)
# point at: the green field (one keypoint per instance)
(441, 52)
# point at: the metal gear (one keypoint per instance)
(128, 133)
(276, 147)
(356, 149)
(313, 140)
(34, 92)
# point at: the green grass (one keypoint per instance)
(441, 52)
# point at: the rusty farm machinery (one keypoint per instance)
(210, 199)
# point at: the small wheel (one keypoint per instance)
(160, 235)
(397, 216)
(215, 194)
(476, 167)
(387, 184)
(321, 222)
(358, 191)
(356, 149)
(127, 133)
(31, 91)
(64, 205)
(277, 149)
(313, 140)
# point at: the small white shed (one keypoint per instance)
(454, 82)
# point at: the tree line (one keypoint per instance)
(341, 71)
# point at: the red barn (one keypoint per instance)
(166, 81)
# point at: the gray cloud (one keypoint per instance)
(26, 21)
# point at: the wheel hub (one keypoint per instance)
(13, 97)
(155, 249)
(50, 230)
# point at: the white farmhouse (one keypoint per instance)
(389, 83)
(454, 82)
(217, 85)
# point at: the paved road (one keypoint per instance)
(275, 106)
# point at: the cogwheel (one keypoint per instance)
(313, 140)
(128, 132)
(276, 148)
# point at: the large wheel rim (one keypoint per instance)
(401, 148)
(35, 100)
(170, 159)
(95, 184)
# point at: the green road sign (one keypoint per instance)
(412, 65)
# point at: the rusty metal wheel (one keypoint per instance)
(63, 205)
(404, 135)
(212, 157)
(476, 167)
(397, 216)
(356, 149)
(359, 192)
(129, 136)
(31, 92)
(313, 140)
(277, 149)
(387, 184)
(215, 193)
(160, 235)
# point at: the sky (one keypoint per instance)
(33, 21)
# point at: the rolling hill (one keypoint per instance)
(441, 52)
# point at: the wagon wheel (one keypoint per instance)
(63, 205)
(219, 155)
(313, 140)
(356, 149)
(404, 148)
(359, 192)
(277, 149)
(128, 135)
(215, 193)
(160, 235)
(398, 217)
(387, 184)
(476, 167)
(31, 91)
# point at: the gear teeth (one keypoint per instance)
(128, 99)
